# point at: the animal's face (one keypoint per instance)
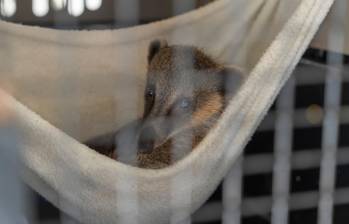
(185, 90)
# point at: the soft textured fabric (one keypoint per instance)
(70, 85)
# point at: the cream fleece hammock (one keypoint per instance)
(75, 81)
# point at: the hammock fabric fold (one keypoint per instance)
(62, 87)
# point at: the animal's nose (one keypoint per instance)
(146, 140)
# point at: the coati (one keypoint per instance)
(186, 92)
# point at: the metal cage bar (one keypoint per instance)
(282, 154)
(333, 85)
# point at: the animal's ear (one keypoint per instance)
(232, 79)
(154, 48)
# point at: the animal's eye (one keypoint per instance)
(150, 93)
(149, 100)
(183, 104)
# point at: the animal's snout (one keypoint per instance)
(146, 141)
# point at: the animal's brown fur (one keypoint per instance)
(184, 97)
(211, 106)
